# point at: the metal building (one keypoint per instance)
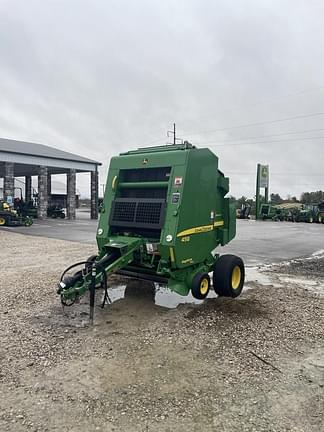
(24, 159)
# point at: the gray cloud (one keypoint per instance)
(99, 77)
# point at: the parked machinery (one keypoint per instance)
(306, 214)
(297, 212)
(320, 213)
(163, 214)
(290, 212)
(317, 212)
(55, 211)
(13, 216)
(243, 212)
(275, 213)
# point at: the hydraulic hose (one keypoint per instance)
(91, 267)
(71, 267)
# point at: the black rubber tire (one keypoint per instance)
(4, 221)
(198, 287)
(223, 276)
(28, 222)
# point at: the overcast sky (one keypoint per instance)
(97, 77)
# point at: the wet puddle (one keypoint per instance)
(163, 296)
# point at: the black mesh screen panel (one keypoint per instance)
(148, 212)
(124, 211)
(145, 213)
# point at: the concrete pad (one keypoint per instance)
(257, 242)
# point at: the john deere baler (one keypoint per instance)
(164, 212)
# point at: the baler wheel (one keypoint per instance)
(200, 285)
(228, 276)
(2, 221)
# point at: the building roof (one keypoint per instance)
(40, 150)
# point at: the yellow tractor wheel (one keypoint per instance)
(228, 276)
(200, 286)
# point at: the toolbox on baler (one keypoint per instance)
(163, 214)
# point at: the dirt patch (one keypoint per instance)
(250, 364)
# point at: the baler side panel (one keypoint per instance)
(199, 206)
(110, 192)
(228, 231)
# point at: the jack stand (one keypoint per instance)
(92, 291)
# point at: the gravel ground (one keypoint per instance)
(250, 364)
(313, 267)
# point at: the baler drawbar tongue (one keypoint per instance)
(119, 252)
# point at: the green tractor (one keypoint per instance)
(270, 212)
(13, 217)
(163, 215)
(318, 212)
(305, 214)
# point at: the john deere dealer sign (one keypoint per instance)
(264, 176)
